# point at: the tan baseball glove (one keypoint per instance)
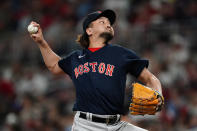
(145, 100)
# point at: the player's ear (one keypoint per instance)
(89, 31)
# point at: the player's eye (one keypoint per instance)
(102, 22)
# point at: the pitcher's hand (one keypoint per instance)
(37, 37)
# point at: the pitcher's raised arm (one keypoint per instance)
(50, 58)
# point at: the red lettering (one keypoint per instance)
(76, 72)
(109, 70)
(101, 68)
(86, 68)
(80, 69)
(93, 66)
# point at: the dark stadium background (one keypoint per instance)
(163, 31)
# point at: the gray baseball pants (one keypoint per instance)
(81, 124)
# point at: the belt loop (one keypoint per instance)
(107, 120)
(118, 118)
(77, 113)
(87, 116)
(90, 116)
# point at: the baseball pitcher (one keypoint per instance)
(98, 72)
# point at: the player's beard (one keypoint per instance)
(107, 36)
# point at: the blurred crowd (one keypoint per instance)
(163, 31)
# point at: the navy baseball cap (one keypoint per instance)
(110, 14)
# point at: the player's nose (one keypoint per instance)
(108, 26)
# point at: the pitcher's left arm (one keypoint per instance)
(150, 80)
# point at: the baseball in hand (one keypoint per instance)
(32, 29)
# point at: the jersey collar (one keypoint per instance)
(96, 52)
